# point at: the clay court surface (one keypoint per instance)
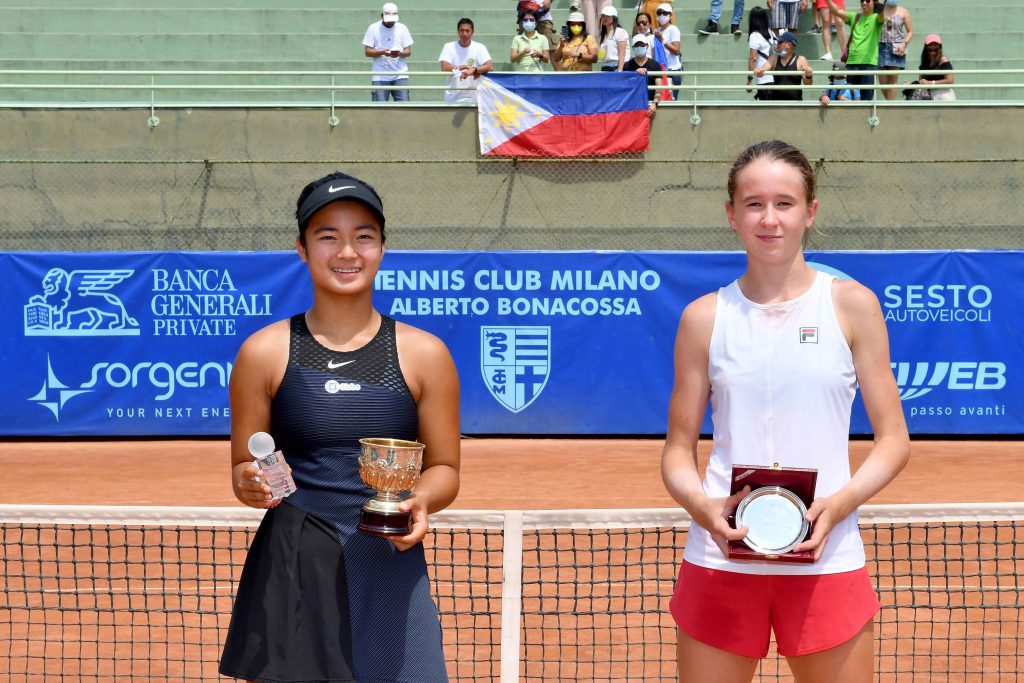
(496, 473)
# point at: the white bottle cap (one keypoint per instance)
(261, 445)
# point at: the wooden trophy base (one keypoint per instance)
(384, 524)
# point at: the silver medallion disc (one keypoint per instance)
(774, 517)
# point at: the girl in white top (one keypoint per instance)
(668, 34)
(762, 45)
(612, 41)
(779, 353)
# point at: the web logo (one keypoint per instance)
(917, 379)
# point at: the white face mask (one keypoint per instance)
(529, 25)
(640, 51)
(664, 19)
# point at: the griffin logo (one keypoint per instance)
(79, 304)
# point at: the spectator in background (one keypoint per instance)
(592, 10)
(642, 25)
(716, 13)
(649, 7)
(786, 59)
(613, 41)
(388, 42)
(786, 15)
(932, 59)
(762, 44)
(578, 50)
(667, 37)
(897, 32)
(467, 60)
(838, 89)
(828, 25)
(865, 32)
(530, 49)
(643, 65)
(545, 25)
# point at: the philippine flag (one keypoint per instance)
(563, 115)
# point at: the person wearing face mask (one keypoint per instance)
(578, 50)
(897, 32)
(644, 65)
(862, 50)
(388, 42)
(545, 23)
(649, 7)
(786, 59)
(667, 35)
(642, 25)
(838, 89)
(530, 49)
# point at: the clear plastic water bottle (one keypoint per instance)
(279, 478)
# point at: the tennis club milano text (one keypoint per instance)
(578, 292)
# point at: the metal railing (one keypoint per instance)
(175, 89)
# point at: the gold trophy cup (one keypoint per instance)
(390, 467)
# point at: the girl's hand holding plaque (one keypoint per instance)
(775, 513)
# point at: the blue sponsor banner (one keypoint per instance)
(120, 344)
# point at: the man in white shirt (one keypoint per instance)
(388, 42)
(466, 60)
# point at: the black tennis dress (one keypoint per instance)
(317, 599)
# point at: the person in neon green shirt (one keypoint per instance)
(530, 49)
(865, 33)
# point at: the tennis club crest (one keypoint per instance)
(515, 362)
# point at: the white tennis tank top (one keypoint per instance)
(782, 384)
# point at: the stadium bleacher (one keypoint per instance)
(317, 35)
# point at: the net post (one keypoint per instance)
(511, 594)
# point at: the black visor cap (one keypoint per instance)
(336, 190)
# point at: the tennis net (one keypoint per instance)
(144, 593)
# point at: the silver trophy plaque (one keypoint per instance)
(774, 517)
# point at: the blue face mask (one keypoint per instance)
(639, 51)
(529, 25)
(783, 53)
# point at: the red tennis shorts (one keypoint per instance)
(737, 612)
